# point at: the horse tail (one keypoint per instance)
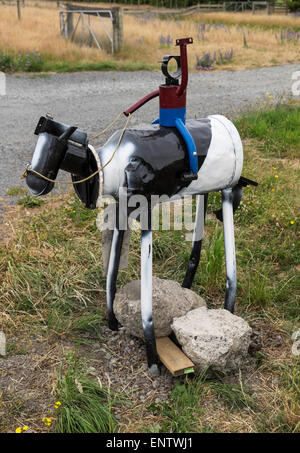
(237, 193)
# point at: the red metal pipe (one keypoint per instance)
(141, 102)
(184, 64)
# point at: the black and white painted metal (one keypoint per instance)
(149, 161)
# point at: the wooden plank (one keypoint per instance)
(172, 357)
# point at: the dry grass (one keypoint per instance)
(263, 20)
(263, 47)
(39, 30)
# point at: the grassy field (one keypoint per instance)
(263, 20)
(52, 302)
(230, 41)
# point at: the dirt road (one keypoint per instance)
(92, 100)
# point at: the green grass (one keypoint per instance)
(30, 62)
(13, 405)
(62, 290)
(33, 62)
(182, 411)
(64, 66)
(235, 396)
(29, 201)
(14, 348)
(16, 191)
(277, 130)
(86, 406)
(213, 259)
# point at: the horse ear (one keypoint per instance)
(67, 134)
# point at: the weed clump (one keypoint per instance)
(208, 59)
(29, 62)
(85, 405)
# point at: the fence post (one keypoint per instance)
(70, 22)
(19, 9)
(117, 22)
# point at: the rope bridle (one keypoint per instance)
(100, 169)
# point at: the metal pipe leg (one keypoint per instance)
(112, 274)
(228, 226)
(197, 241)
(146, 300)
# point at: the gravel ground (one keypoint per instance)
(92, 100)
(27, 375)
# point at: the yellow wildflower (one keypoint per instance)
(18, 430)
(25, 428)
(274, 168)
(57, 404)
(292, 222)
(47, 421)
(275, 176)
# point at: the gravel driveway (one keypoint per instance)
(92, 100)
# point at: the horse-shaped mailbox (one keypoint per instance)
(172, 157)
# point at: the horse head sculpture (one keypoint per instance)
(170, 157)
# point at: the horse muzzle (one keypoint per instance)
(49, 153)
(44, 161)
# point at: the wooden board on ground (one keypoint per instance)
(172, 357)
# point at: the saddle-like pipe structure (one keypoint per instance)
(151, 159)
(172, 103)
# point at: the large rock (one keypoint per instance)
(169, 300)
(214, 338)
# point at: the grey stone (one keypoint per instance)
(214, 338)
(169, 300)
